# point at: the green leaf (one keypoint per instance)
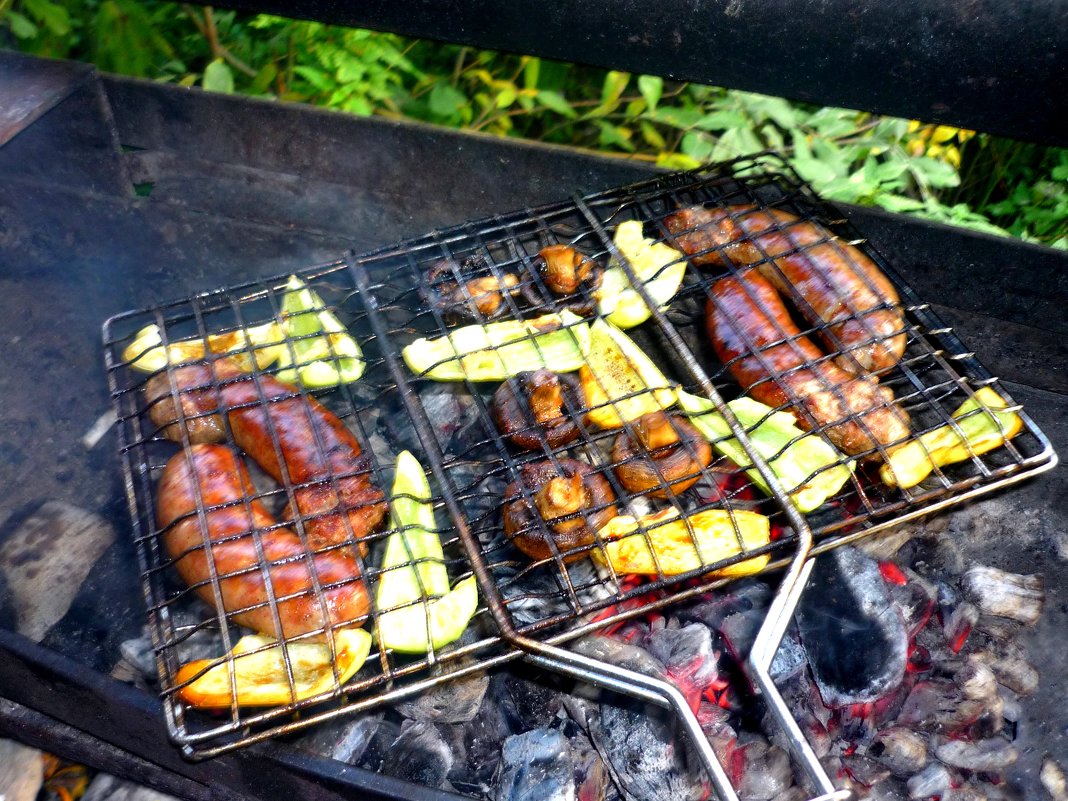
(614, 84)
(652, 136)
(20, 26)
(721, 120)
(317, 78)
(554, 101)
(651, 88)
(937, 174)
(698, 145)
(264, 78)
(446, 99)
(52, 15)
(682, 118)
(531, 72)
(676, 161)
(506, 97)
(897, 203)
(218, 77)
(615, 136)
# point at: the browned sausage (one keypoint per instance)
(748, 323)
(837, 284)
(232, 528)
(320, 457)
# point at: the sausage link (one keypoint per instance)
(320, 457)
(749, 326)
(232, 526)
(839, 286)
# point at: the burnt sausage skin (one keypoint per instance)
(320, 458)
(837, 283)
(748, 322)
(223, 482)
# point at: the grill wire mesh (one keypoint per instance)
(431, 286)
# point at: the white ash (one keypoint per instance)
(1054, 780)
(21, 771)
(1002, 594)
(45, 561)
(994, 754)
(932, 781)
(903, 751)
(975, 679)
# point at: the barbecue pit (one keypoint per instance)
(122, 94)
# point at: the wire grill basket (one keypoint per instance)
(491, 271)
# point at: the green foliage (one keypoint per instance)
(937, 172)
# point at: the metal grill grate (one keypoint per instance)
(422, 288)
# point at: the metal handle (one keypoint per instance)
(637, 685)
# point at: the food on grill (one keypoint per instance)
(809, 469)
(496, 351)
(619, 381)
(264, 343)
(260, 677)
(839, 286)
(470, 290)
(665, 544)
(417, 609)
(665, 451)
(659, 266)
(572, 502)
(566, 273)
(320, 351)
(534, 407)
(317, 455)
(212, 526)
(766, 353)
(982, 423)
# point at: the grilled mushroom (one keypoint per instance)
(573, 502)
(478, 295)
(568, 274)
(534, 405)
(669, 452)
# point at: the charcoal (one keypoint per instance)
(793, 794)
(959, 624)
(529, 704)
(1011, 709)
(109, 788)
(934, 557)
(1013, 670)
(932, 781)
(621, 654)
(592, 782)
(938, 706)
(904, 752)
(1054, 779)
(640, 748)
(915, 600)
(1011, 595)
(855, 639)
(965, 793)
(378, 747)
(975, 679)
(767, 774)
(21, 771)
(484, 734)
(686, 653)
(889, 790)
(790, 659)
(747, 595)
(419, 755)
(536, 765)
(344, 739)
(994, 754)
(456, 701)
(864, 770)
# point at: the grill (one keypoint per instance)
(386, 300)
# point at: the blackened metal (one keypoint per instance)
(955, 65)
(30, 87)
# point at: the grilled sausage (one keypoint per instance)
(317, 455)
(232, 528)
(750, 327)
(836, 283)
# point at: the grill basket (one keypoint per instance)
(428, 287)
